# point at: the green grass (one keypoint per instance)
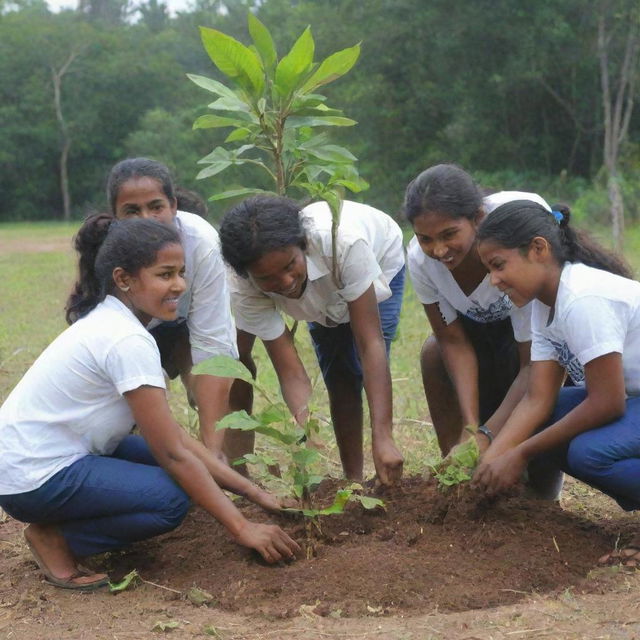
(36, 285)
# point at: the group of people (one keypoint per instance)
(516, 299)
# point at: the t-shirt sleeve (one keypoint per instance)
(255, 312)
(358, 270)
(134, 362)
(211, 327)
(595, 326)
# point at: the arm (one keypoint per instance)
(293, 379)
(365, 325)
(193, 467)
(211, 395)
(605, 401)
(461, 362)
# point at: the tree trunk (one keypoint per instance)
(617, 211)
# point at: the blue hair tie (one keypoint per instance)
(558, 215)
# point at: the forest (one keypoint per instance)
(535, 96)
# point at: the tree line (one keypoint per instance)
(527, 95)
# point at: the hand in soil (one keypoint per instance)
(500, 474)
(266, 500)
(388, 461)
(269, 540)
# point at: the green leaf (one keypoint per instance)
(274, 413)
(263, 41)
(319, 121)
(234, 59)
(165, 626)
(223, 367)
(275, 434)
(211, 121)
(238, 420)
(130, 580)
(213, 169)
(369, 503)
(215, 87)
(237, 135)
(333, 67)
(199, 596)
(295, 65)
(305, 456)
(331, 153)
(241, 108)
(236, 193)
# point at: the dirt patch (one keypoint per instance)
(23, 245)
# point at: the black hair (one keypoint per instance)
(132, 168)
(191, 201)
(105, 243)
(445, 189)
(257, 226)
(514, 224)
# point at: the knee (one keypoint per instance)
(585, 458)
(175, 507)
(430, 358)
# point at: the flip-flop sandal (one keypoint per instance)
(68, 582)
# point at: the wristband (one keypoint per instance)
(486, 431)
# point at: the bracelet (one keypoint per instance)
(486, 431)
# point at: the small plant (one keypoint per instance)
(298, 477)
(459, 465)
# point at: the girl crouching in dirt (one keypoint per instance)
(475, 365)
(585, 322)
(68, 465)
(282, 255)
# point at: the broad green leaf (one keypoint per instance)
(354, 185)
(305, 456)
(333, 67)
(233, 59)
(214, 169)
(237, 135)
(274, 413)
(214, 87)
(199, 596)
(331, 153)
(319, 121)
(218, 154)
(271, 432)
(236, 193)
(210, 121)
(130, 580)
(368, 502)
(295, 65)
(223, 367)
(238, 420)
(263, 41)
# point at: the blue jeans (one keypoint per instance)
(102, 503)
(606, 458)
(335, 347)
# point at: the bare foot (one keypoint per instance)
(628, 557)
(52, 554)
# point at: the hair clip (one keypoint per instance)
(558, 216)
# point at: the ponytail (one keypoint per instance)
(104, 244)
(86, 293)
(514, 224)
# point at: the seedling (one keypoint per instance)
(458, 466)
(298, 476)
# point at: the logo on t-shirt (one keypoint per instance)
(568, 361)
(498, 310)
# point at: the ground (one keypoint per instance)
(431, 565)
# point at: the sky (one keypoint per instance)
(174, 5)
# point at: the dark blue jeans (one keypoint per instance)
(335, 347)
(105, 502)
(606, 458)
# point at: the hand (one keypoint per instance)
(388, 461)
(269, 540)
(264, 499)
(500, 473)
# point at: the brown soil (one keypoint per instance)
(427, 552)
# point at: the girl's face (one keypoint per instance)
(521, 275)
(283, 272)
(445, 239)
(154, 291)
(144, 198)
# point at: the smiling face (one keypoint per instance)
(443, 238)
(144, 198)
(283, 272)
(520, 274)
(154, 291)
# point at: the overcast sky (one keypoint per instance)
(174, 5)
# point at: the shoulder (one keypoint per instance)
(195, 229)
(494, 200)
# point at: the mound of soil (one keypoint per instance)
(428, 551)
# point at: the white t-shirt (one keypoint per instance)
(434, 283)
(205, 304)
(596, 313)
(369, 247)
(70, 402)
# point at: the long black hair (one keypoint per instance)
(132, 168)
(257, 226)
(514, 224)
(445, 189)
(104, 243)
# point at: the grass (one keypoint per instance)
(37, 282)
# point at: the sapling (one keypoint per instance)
(459, 464)
(299, 475)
